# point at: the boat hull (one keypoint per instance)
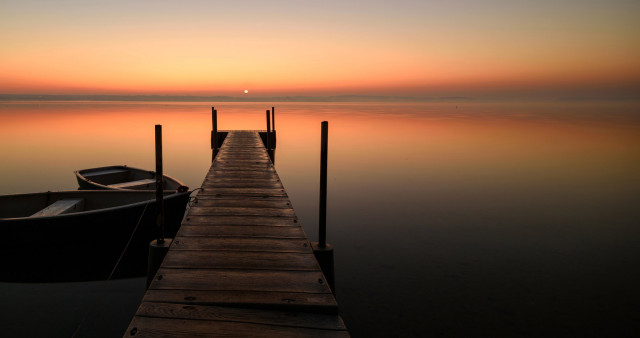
(86, 245)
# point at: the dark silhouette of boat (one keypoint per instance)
(122, 177)
(79, 235)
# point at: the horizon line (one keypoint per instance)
(294, 98)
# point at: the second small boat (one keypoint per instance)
(122, 177)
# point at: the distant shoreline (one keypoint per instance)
(186, 98)
(335, 98)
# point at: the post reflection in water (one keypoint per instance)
(451, 219)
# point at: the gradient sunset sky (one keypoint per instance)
(411, 48)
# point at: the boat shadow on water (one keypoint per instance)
(81, 235)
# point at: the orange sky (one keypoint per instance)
(334, 47)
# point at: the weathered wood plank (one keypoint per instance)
(250, 231)
(233, 211)
(230, 173)
(249, 280)
(244, 191)
(60, 207)
(242, 315)
(168, 327)
(240, 174)
(250, 185)
(239, 197)
(241, 170)
(242, 202)
(240, 260)
(243, 158)
(241, 220)
(316, 302)
(215, 180)
(242, 166)
(247, 244)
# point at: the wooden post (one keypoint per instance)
(159, 185)
(273, 129)
(323, 185)
(214, 129)
(158, 248)
(322, 250)
(268, 132)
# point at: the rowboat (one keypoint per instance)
(79, 235)
(122, 177)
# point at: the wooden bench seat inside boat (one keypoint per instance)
(60, 207)
(105, 172)
(133, 184)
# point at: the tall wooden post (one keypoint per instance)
(158, 248)
(322, 233)
(214, 128)
(322, 250)
(159, 185)
(273, 129)
(268, 131)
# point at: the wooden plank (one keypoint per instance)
(215, 180)
(316, 302)
(256, 184)
(247, 244)
(242, 202)
(244, 191)
(249, 280)
(241, 220)
(168, 327)
(243, 159)
(249, 231)
(60, 207)
(240, 260)
(232, 211)
(253, 185)
(245, 166)
(105, 172)
(244, 198)
(132, 184)
(240, 174)
(242, 166)
(241, 315)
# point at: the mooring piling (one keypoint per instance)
(270, 140)
(321, 249)
(214, 131)
(159, 185)
(268, 131)
(158, 247)
(323, 185)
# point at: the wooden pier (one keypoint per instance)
(240, 264)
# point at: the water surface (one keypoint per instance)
(448, 219)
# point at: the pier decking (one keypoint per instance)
(240, 264)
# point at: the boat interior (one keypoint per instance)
(121, 177)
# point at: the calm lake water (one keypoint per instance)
(448, 219)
